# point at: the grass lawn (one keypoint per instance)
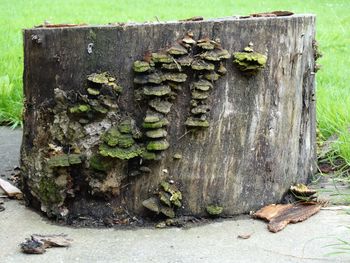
(333, 35)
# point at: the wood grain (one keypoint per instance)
(262, 134)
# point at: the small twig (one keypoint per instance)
(183, 135)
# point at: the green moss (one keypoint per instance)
(100, 163)
(159, 145)
(214, 210)
(81, 108)
(249, 62)
(49, 192)
(141, 66)
(154, 125)
(120, 153)
(64, 160)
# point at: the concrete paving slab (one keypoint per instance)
(215, 242)
(10, 142)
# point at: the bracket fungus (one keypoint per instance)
(248, 61)
(157, 79)
(141, 66)
(165, 200)
(119, 141)
(214, 210)
(64, 160)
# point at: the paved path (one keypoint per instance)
(215, 242)
(10, 141)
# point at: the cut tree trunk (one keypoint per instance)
(260, 139)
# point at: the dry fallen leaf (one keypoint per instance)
(53, 240)
(37, 244)
(10, 189)
(279, 216)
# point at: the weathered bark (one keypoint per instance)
(279, 216)
(262, 127)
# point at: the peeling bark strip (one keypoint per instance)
(85, 131)
(279, 216)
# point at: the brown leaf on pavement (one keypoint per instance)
(10, 189)
(279, 216)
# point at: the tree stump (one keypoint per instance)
(167, 119)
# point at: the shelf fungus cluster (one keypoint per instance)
(158, 78)
(165, 201)
(208, 67)
(119, 141)
(78, 121)
(248, 61)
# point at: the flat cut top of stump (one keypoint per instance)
(152, 23)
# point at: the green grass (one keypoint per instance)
(10, 102)
(333, 34)
(340, 246)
